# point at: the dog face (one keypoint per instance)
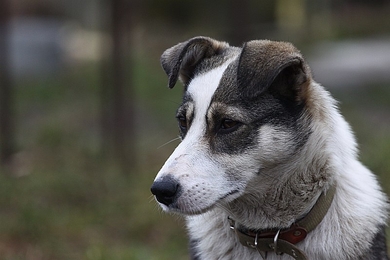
(243, 114)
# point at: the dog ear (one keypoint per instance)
(275, 66)
(180, 60)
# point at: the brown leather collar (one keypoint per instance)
(284, 240)
(294, 234)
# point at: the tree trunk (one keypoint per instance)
(117, 99)
(6, 97)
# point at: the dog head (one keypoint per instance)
(242, 115)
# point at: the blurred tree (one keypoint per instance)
(239, 19)
(6, 123)
(117, 95)
(291, 14)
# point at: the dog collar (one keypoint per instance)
(283, 240)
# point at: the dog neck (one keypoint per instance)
(288, 237)
(279, 203)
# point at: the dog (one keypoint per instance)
(267, 166)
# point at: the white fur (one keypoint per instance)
(202, 180)
(358, 209)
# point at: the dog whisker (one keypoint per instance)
(171, 141)
(151, 199)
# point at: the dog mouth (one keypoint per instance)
(193, 198)
(229, 194)
(190, 207)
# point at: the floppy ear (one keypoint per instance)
(180, 60)
(275, 66)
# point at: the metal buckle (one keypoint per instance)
(262, 254)
(232, 223)
(275, 245)
(254, 245)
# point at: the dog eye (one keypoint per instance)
(182, 122)
(229, 125)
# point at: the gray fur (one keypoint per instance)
(377, 250)
(182, 61)
(261, 62)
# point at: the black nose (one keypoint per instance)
(165, 190)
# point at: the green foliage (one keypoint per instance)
(61, 199)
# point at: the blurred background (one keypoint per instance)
(86, 118)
